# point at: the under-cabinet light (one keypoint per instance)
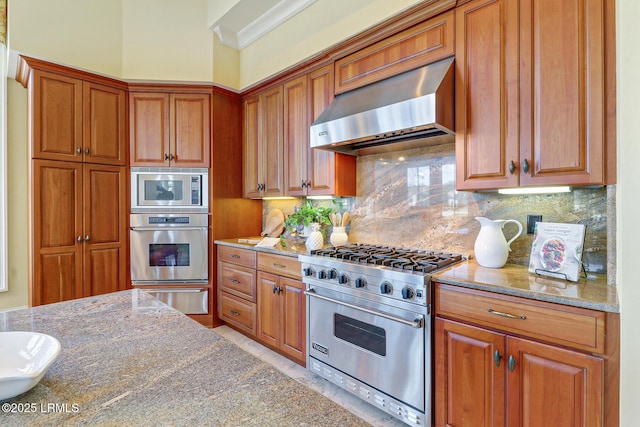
(279, 198)
(320, 197)
(535, 190)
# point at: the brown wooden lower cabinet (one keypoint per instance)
(487, 376)
(79, 230)
(261, 295)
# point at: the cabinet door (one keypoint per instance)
(104, 139)
(486, 141)
(268, 309)
(296, 137)
(57, 117)
(271, 142)
(251, 141)
(330, 173)
(562, 91)
(190, 141)
(105, 229)
(57, 226)
(293, 312)
(469, 376)
(149, 129)
(550, 383)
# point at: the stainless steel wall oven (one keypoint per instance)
(169, 258)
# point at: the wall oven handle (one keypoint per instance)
(174, 290)
(417, 323)
(168, 228)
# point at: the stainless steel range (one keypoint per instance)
(369, 323)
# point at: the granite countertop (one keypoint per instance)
(129, 360)
(292, 249)
(591, 292)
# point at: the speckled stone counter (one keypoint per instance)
(130, 360)
(292, 249)
(590, 292)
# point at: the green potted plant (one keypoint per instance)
(307, 214)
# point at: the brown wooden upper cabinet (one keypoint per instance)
(311, 172)
(530, 93)
(77, 121)
(263, 144)
(170, 129)
(414, 47)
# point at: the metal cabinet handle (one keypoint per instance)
(79, 239)
(512, 167)
(497, 357)
(235, 256)
(171, 157)
(166, 156)
(86, 150)
(86, 238)
(502, 314)
(273, 289)
(279, 290)
(275, 264)
(79, 150)
(232, 280)
(235, 313)
(511, 364)
(525, 166)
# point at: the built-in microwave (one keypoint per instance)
(169, 190)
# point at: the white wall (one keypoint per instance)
(628, 205)
(317, 27)
(166, 40)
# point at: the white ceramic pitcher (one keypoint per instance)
(491, 248)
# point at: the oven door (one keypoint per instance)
(379, 345)
(169, 255)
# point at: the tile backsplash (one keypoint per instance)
(409, 198)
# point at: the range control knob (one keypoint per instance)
(408, 292)
(322, 274)
(361, 282)
(385, 288)
(343, 279)
(333, 274)
(308, 271)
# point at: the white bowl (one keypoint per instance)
(24, 359)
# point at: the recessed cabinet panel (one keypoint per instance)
(149, 123)
(104, 124)
(191, 134)
(57, 117)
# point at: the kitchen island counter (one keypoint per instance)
(128, 359)
(591, 292)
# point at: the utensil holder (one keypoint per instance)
(338, 236)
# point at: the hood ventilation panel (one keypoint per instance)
(410, 110)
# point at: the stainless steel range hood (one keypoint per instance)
(410, 110)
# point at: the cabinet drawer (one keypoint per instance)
(246, 257)
(281, 265)
(417, 46)
(238, 312)
(237, 280)
(571, 326)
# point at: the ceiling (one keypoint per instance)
(248, 20)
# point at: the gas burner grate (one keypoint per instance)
(401, 258)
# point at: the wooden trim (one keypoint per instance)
(610, 131)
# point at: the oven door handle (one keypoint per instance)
(177, 228)
(417, 323)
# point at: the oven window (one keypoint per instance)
(364, 335)
(155, 190)
(169, 255)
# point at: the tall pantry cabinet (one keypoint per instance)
(78, 182)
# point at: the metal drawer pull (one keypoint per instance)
(235, 313)
(234, 280)
(511, 364)
(235, 256)
(275, 264)
(510, 316)
(497, 357)
(417, 323)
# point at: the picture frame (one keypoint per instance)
(557, 250)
